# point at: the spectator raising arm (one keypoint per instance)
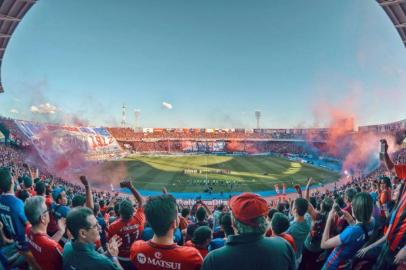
(326, 241)
(134, 191)
(385, 156)
(89, 194)
(307, 192)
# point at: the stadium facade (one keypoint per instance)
(11, 14)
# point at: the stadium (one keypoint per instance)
(193, 198)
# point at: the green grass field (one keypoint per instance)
(249, 173)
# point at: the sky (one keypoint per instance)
(213, 63)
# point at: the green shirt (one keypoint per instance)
(299, 232)
(78, 256)
(252, 251)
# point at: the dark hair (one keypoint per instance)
(23, 195)
(280, 207)
(96, 209)
(161, 211)
(126, 209)
(327, 204)
(271, 212)
(313, 201)
(201, 234)
(350, 194)
(185, 212)
(386, 181)
(27, 181)
(362, 206)
(226, 224)
(339, 200)
(301, 206)
(5, 179)
(40, 188)
(117, 209)
(77, 219)
(200, 214)
(78, 200)
(279, 223)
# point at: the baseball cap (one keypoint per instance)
(246, 207)
(56, 192)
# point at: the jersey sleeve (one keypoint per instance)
(111, 231)
(64, 211)
(21, 241)
(347, 235)
(196, 259)
(139, 215)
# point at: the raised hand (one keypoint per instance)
(113, 245)
(126, 184)
(84, 181)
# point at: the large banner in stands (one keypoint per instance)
(61, 139)
(202, 146)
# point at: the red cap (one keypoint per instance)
(247, 207)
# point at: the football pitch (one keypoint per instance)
(223, 173)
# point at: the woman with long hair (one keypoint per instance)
(348, 242)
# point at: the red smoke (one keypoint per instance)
(359, 151)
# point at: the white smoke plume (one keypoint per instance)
(14, 111)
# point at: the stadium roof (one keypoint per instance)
(396, 10)
(11, 13)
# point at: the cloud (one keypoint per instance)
(15, 111)
(46, 108)
(167, 105)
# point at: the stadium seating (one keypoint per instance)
(118, 224)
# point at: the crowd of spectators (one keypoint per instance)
(49, 223)
(129, 134)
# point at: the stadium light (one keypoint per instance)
(258, 117)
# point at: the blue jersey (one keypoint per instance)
(59, 210)
(14, 220)
(216, 243)
(352, 239)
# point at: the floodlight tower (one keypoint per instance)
(137, 114)
(123, 123)
(258, 117)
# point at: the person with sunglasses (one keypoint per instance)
(46, 250)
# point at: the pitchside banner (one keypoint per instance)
(61, 139)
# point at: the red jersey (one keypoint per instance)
(290, 240)
(268, 232)
(202, 251)
(151, 256)
(183, 223)
(129, 231)
(385, 196)
(46, 251)
(48, 200)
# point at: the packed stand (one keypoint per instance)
(47, 223)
